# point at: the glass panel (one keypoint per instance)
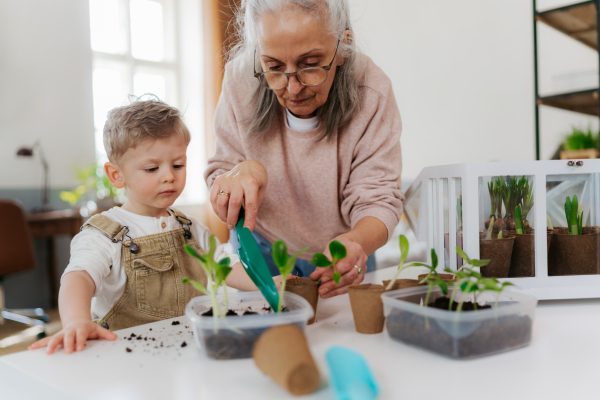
(149, 84)
(106, 30)
(506, 240)
(575, 242)
(107, 95)
(147, 31)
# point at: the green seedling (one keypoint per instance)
(470, 281)
(403, 254)
(493, 191)
(500, 235)
(549, 223)
(338, 252)
(490, 230)
(519, 220)
(525, 196)
(432, 279)
(285, 264)
(574, 216)
(216, 273)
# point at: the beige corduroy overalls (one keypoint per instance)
(154, 290)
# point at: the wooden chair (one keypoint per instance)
(16, 255)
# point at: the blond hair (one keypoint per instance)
(141, 120)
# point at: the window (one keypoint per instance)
(150, 46)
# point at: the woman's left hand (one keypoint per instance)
(355, 256)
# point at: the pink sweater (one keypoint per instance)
(317, 190)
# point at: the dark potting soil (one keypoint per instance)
(477, 338)
(444, 302)
(226, 344)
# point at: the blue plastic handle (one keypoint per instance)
(350, 375)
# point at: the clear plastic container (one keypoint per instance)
(233, 337)
(463, 335)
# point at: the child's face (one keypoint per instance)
(153, 174)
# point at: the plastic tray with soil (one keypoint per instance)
(461, 335)
(233, 337)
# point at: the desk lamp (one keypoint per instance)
(30, 152)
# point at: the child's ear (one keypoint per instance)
(114, 175)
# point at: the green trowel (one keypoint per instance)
(254, 263)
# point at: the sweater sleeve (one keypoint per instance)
(228, 149)
(374, 186)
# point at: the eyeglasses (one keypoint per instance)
(311, 76)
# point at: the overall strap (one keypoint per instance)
(109, 228)
(183, 220)
(179, 216)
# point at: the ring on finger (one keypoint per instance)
(359, 269)
(224, 193)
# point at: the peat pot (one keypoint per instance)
(367, 308)
(233, 337)
(522, 263)
(499, 252)
(460, 335)
(306, 288)
(575, 254)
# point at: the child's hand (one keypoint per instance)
(277, 280)
(73, 336)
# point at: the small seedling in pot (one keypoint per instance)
(550, 227)
(216, 273)
(574, 216)
(403, 254)
(488, 236)
(338, 252)
(285, 264)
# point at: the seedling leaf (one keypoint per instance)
(336, 277)
(338, 251)
(320, 260)
(280, 255)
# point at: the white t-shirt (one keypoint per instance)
(94, 253)
(301, 124)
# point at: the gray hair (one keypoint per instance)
(344, 96)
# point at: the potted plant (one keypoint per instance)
(580, 144)
(226, 327)
(486, 319)
(94, 186)
(574, 249)
(498, 250)
(302, 286)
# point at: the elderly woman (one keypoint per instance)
(308, 139)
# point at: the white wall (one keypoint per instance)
(462, 73)
(45, 90)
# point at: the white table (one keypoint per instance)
(561, 363)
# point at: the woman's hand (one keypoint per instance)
(355, 255)
(246, 184)
(73, 336)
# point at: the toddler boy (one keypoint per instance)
(127, 264)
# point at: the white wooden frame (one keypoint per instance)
(431, 217)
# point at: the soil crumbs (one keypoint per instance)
(169, 342)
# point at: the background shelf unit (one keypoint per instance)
(580, 22)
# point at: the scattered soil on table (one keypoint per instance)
(171, 339)
(469, 340)
(175, 323)
(128, 350)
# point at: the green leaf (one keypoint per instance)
(192, 252)
(212, 247)
(338, 251)
(280, 255)
(221, 275)
(403, 249)
(196, 285)
(225, 261)
(480, 263)
(336, 277)
(291, 262)
(443, 285)
(434, 259)
(320, 260)
(462, 254)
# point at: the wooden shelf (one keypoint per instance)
(577, 21)
(585, 102)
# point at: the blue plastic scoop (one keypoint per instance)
(254, 263)
(350, 375)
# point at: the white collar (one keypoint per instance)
(301, 124)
